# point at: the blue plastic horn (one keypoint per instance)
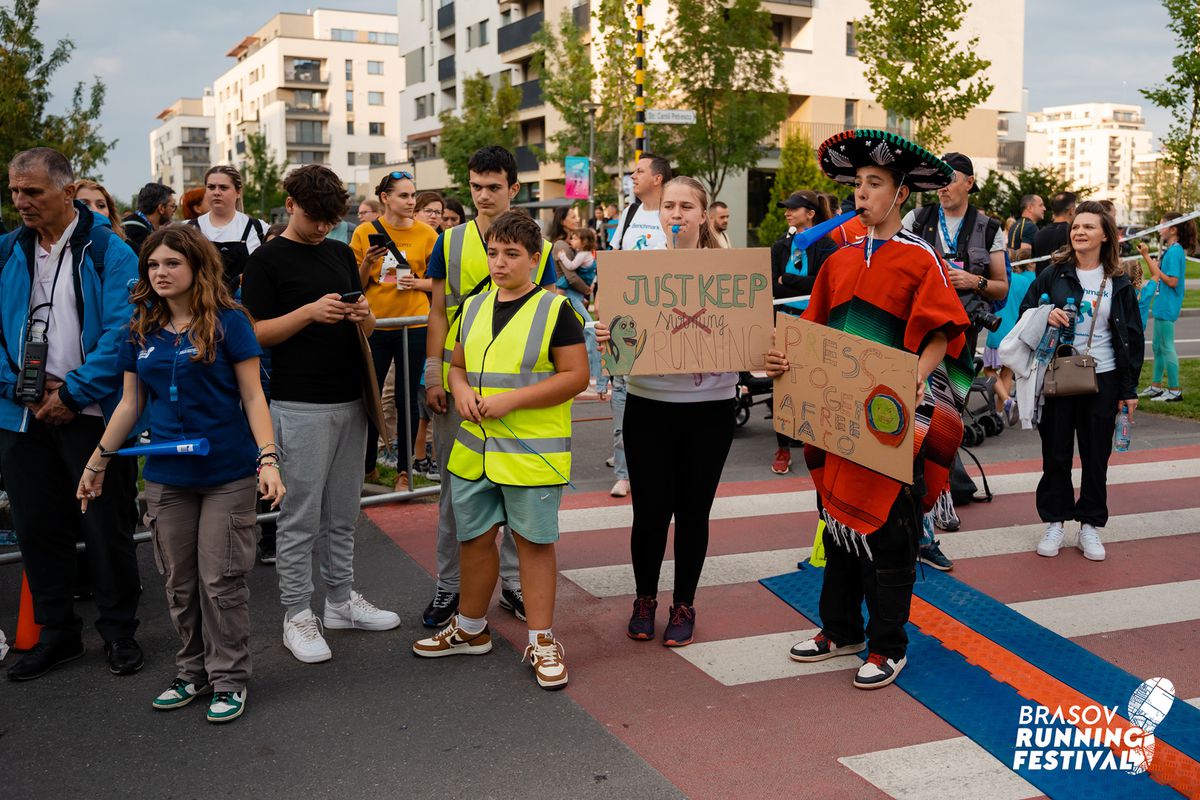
(179, 447)
(805, 239)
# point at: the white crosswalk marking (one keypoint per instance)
(1115, 610)
(615, 580)
(573, 520)
(956, 768)
(759, 658)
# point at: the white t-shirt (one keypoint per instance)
(953, 224)
(696, 387)
(644, 231)
(1102, 346)
(232, 231)
(64, 334)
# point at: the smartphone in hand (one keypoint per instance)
(351, 297)
(377, 239)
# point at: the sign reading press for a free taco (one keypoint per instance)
(680, 311)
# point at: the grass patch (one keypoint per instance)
(1191, 298)
(1189, 378)
(387, 477)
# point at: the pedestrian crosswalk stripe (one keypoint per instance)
(751, 659)
(572, 520)
(956, 768)
(1114, 610)
(617, 579)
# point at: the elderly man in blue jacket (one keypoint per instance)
(65, 281)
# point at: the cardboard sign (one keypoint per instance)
(685, 311)
(847, 395)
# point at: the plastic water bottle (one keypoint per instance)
(1067, 336)
(1121, 435)
(1045, 348)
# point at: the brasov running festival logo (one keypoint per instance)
(1093, 737)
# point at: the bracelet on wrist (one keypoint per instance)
(258, 470)
(96, 470)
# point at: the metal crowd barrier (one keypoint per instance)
(406, 442)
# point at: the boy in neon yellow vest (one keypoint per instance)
(518, 362)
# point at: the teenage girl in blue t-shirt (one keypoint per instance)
(191, 359)
(1177, 241)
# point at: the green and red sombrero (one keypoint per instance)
(841, 156)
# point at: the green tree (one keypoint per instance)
(564, 67)
(25, 73)
(263, 175)
(1000, 193)
(917, 69)
(489, 116)
(798, 169)
(1167, 193)
(724, 62)
(1179, 93)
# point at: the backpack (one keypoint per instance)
(984, 224)
(633, 208)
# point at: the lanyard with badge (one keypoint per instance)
(950, 245)
(31, 384)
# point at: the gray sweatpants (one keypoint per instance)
(445, 428)
(323, 447)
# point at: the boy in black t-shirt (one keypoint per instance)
(294, 287)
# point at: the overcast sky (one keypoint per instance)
(150, 53)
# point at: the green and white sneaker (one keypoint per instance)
(178, 695)
(226, 706)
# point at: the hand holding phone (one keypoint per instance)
(351, 297)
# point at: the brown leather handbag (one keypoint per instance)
(1071, 373)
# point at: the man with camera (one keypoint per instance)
(970, 241)
(66, 282)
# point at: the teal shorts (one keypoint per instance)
(531, 511)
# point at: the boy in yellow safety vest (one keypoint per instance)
(518, 362)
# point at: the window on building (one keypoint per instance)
(349, 101)
(380, 37)
(378, 159)
(350, 127)
(374, 67)
(349, 69)
(343, 35)
(352, 159)
(898, 124)
(414, 66)
(306, 132)
(851, 42)
(477, 34)
(422, 107)
(851, 114)
(374, 98)
(304, 157)
(375, 128)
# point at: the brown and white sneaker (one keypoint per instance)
(453, 641)
(546, 658)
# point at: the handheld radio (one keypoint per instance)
(32, 382)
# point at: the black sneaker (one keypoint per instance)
(932, 555)
(512, 600)
(124, 656)
(432, 472)
(43, 658)
(878, 671)
(641, 624)
(820, 647)
(682, 625)
(441, 608)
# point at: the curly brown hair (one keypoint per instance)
(319, 191)
(209, 294)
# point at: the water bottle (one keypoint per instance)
(1067, 336)
(1121, 435)
(1045, 348)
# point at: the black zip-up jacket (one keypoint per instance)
(785, 285)
(1060, 281)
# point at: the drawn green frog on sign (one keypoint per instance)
(624, 347)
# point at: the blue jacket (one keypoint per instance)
(102, 303)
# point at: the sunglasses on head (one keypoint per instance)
(401, 176)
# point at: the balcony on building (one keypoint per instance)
(446, 68)
(194, 154)
(304, 104)
(445, 17)
(526, 159)
(581, 15)
(304, 72)
(519, 33)
(531, 93)
(307, 135)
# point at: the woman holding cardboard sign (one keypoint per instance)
(678, 429)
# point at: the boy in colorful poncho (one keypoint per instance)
(892, 288)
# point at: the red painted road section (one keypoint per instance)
(782, 738)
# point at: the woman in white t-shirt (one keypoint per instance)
(1089, 272)
(677, 432)
(235, 234)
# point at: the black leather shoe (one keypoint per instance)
(124, 656)
(43, 658)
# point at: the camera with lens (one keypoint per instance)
(979, 312)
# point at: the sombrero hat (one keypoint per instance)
(840, 157)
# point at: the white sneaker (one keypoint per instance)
(1052, 540)
(1089, 543)
(620, 489)
(1150, 391)
(1168, 396)
(302, 636)
(358, 612)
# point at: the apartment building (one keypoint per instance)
(181, 147)
(1096, 145)
(322, 87)
(445, 40)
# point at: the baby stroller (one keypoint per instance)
(980, 418)
(752, 391)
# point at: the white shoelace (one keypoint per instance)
(363, 604)
(550, 654)
(309, 629)
(1089, 539)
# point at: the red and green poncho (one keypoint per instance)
(899, 300)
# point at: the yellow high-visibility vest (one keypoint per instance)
(529, 446)
(465, 256)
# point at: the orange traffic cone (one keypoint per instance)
(28, 631)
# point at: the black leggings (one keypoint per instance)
(675, 452)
